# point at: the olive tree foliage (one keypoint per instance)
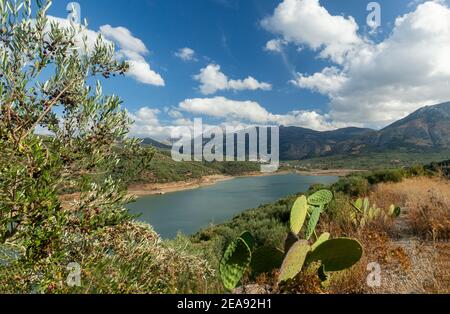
(47, 80)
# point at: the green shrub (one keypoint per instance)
(385, 176)
(416, 171)
(354, 185)
(125, 259)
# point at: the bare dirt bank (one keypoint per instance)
(140, 190)
(147, 189)
(163, 188)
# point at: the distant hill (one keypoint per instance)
(300, 143)
(427, 129)
(155, 143)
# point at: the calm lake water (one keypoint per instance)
(191, 210)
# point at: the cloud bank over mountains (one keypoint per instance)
(371, 83)
(367, 83)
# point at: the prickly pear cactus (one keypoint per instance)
(394, 211)
(337, 254)
(248, 239)
(265, 259)
(320, 198)
(323, 237)
(291, 238)
(366, 204)
(358, 204)
(236, 259)
(313, 220)
(294, 260)
(362, 205)
(298, 214)
(321, 272)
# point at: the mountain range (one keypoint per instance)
(427, 129)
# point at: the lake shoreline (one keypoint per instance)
(149, 189)
(190, 211)
(152, 189)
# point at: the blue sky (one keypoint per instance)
(310, 79)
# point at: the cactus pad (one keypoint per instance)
(313, 220)
(358, 203)
(291, 238)
(234, 262)
(337, 254)
(265, 259)
(322, 197)
(298, 214)
(248, 239)
(321, 272)
(395, 211)
(294, 260)
(324, 237)
(366, 204)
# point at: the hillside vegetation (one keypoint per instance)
(409, 248)
(94, 245)
(371, 161)
(164, 169)
(131, 258)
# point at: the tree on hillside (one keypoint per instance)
(45, 74)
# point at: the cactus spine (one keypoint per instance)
(265, 259)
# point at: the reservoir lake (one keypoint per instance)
(191, 210)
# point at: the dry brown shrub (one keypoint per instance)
(425, 202)
(354, 280)
(306, 282)
(442, 269)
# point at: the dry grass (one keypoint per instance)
(442, 272)
(410, 262)
(426, 205)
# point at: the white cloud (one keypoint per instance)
(253, 112)
(141, 71)
(134, 50)
(226, 113)
(212, 80)
(378, 83)
(186, 54)
(275, 45)
(328, 81)
(131, 49)
(175, 114)
(221, 107)
(147, 124)
(306, 22)
(124, 39)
